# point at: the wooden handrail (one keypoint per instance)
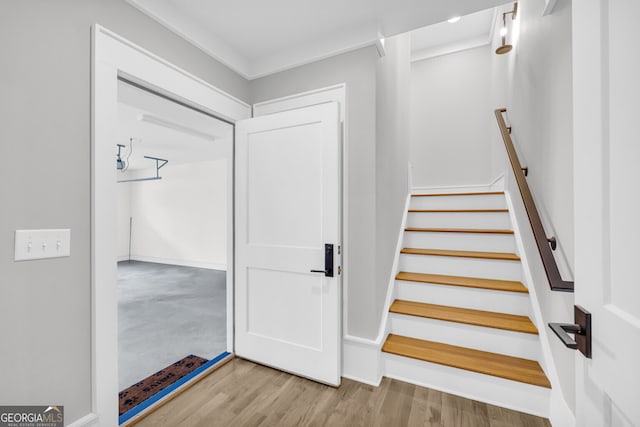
(549, 262)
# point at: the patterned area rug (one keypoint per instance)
(141, 391)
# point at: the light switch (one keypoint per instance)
(40, 244)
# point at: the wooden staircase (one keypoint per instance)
(460, 318)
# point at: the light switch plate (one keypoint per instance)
(40, 244)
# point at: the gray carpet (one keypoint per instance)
(166, 312)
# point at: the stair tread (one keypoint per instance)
(489, 319)
(498, 365)
(481, 193)
(459, 230)
(469, 282)
(457, 210)
(464, 254)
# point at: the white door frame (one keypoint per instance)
(113, 57)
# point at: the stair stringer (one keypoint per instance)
(559, 412)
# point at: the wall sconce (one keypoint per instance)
(504, 48)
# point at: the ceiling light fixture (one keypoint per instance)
(453, 20)
(504, 47)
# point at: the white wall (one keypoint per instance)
(534, 83)
(45, 131)
(450, 119)
(180, 219)
(392, 153)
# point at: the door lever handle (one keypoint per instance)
(328, 261)
(562, 331)
(581, 329)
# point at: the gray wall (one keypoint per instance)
(534, 82)
(392, 155)
(450, 118)
(358, 70)
(44, 183)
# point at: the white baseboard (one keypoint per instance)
(86, 421)
(495, 185)
(470, 385)
(559, 413)
(361, 360)
(180, 262)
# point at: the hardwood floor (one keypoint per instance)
(242, 393)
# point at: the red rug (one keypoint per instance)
(141, 391)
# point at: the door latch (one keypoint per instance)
(328, 261)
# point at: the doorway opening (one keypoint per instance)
(174, 191)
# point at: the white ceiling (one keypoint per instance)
(470, 31)
(259, 37)
(165, 129)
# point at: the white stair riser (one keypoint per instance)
(516, 344)
(488, 220)
(490, 201)
(458, 266)
(484, 388)
(460, 296)
(460, 241)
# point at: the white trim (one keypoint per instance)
(367, 42)
(559, 413)
(335, 93)
(380, 47)
(549, 5)
(498, 183)
(180, 262)
(466, 395)
(86, 421)
(222, 53)
(547, 362)
(113, 56)
(494, 23)
(360, 340)
(457, 188)
(361, 360)
(121, 50)
(433, 52)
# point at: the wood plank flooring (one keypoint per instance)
(245, 394)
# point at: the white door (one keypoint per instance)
(607, 208)
(287, 210)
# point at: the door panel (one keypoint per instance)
(607, 208)
(287, 208)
